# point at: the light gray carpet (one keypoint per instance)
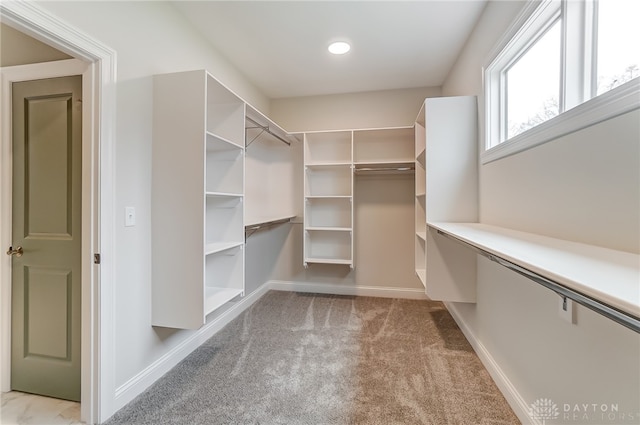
(323, 359)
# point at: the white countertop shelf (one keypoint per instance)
(608, 276)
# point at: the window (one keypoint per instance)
(565, 65)
(618, 52)
(533, 84)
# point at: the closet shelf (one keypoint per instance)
(328, 197)
(422, 235)
(250, 229)
(320, 165)
(266, 221)
(327, 260)
(329, 229)
(601, 279)
(422, 275)
(261, 124)
(216, 297)
(223, 195)
(215, 248)
(219, 143)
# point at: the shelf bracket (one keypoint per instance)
(264, 128)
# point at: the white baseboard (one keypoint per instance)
(511, 394)
(335, 289)
(143, 380)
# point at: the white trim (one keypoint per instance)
(98, 372)
(143, 380)
(510, 392)
(618, 101)
(364, 291)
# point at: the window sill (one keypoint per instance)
(618, 101)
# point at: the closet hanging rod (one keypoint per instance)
(600, 307)
(264, 128)
(251, 229)
(369, 169)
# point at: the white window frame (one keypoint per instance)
(577, 84)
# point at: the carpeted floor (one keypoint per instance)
(313, 359)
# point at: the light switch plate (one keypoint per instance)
(129, 216)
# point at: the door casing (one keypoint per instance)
(96, 63)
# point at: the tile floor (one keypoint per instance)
(22, 409)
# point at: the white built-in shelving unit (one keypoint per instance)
(328, 198)
(445, 152)
(331, 160)
(420, 186)
(384, 150)
(197, 198)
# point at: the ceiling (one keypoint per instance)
(281, 46)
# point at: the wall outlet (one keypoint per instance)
(129, 216)
(567, 311)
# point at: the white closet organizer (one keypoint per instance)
(331, 158)
(197, 198)
(385, 150)
(328, 198)
(446, 190)
(420, 186)
(270, 189)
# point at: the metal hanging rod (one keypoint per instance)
(600, 307)
(250, 230)
(385, 169)
(264, 128)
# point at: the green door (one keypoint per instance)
(46, 226)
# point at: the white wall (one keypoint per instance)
(385, 108)
(149, 38)
(582, 187)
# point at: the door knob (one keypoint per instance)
(17, 252)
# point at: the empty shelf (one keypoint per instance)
(215, 297)
(328, 260)
(214, 248)
(601, 279)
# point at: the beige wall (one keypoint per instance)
(385, 108)
(17, 48)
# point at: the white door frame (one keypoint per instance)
(96, 63)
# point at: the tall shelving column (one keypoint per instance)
(420, 186)
(224, 206)
(197, 198)
(446, 191)
(328, 200)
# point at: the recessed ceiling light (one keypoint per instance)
(339, 47)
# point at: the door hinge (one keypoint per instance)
(96, 258)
